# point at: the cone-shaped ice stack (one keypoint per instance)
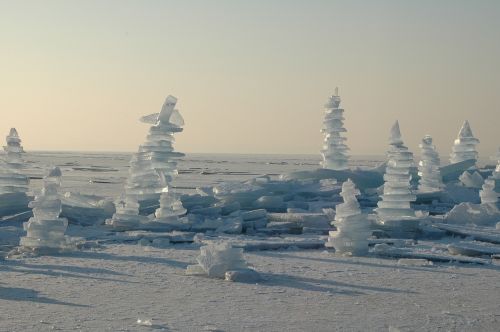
(395, 203)
(45, 230)
(488, 194)
(428, 168)
(464, 147)
(353, 228)
(13, 184)
(334, 150)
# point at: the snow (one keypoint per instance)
(109, 289)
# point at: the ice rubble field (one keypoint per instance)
(109, 288)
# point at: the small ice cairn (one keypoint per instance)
(45, 230)
(488, 194)
(428, 168)
(334, 150)
(464, 147)
(353, 227)
(395, 203)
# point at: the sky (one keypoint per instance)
(250, 76)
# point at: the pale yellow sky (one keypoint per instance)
(251, 76)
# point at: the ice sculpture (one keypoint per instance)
(353, 228)
(216, 259)
(45, 230)
(464, 147)
(428, 168)
(395, 203)
(334, 150)
(13, 184)
(488, 194)
(152, 169)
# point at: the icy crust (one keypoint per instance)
(45, 230)
(464, 147)
(335, 151)
(396, 198)
(428, 168)
(13, 184)
(353, 228)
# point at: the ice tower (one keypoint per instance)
(487, 193)
(353, 228)
(13, 184)
(334, 150)
(395, 203)
(152, 169)
(45, 230)
(428, 168)
(464, 147)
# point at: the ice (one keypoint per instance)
(86, 209)
(395, 203)
(353, 227)
(471, 180)
(45, 230)
(496, 172)
(13, 183)
(334, 150)
(216, 259)
(469, 213)
(488, 194)
(428, 168)
(244, 275)
(152, 169)
(464, 147)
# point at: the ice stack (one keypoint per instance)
(428, 168)
(464, 147)
(353, 228)
(394, 211)
(13, 184)
(45, 230)
(496, 172)
(488, 194)
(152, 169)
(334, 150)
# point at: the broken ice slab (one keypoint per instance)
(14, 203)
(384, 250)
(302, 219)
(485, 234)
(473, 248)
(362, 178)
(453, 171)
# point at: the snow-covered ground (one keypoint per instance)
(309, 290)
(110, 287)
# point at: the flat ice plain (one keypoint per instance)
(110, 288)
